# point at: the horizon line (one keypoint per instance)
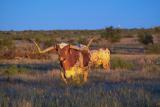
(74, 29)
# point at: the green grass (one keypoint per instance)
(13, 70)
(119, 63)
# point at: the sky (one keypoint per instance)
(78, 14)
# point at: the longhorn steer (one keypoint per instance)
(73, 59)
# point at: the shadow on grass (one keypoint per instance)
(34, 67)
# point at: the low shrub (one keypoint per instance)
(145, 38)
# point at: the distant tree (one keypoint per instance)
(145, 38)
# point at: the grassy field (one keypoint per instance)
(28, 79)
(133, 81)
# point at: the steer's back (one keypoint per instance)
(100, 57)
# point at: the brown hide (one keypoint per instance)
(86, 58)
(68, 57)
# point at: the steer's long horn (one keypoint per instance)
(75, 47)
(90, 41)
(45, 50)
(84, 48)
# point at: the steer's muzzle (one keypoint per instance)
(61, 59)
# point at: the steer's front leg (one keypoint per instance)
(63, 77)
(85, 76)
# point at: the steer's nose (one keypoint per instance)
(61, 59)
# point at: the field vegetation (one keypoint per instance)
(28, 79)
(130, 82)
(13, 41)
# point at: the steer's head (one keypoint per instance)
(63, 50)
(67, 56)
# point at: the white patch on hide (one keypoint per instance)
(62, 45)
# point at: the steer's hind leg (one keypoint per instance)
(106, 66)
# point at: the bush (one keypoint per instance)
(145, 38)
(111, 34)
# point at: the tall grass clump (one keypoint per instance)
(119, 63)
